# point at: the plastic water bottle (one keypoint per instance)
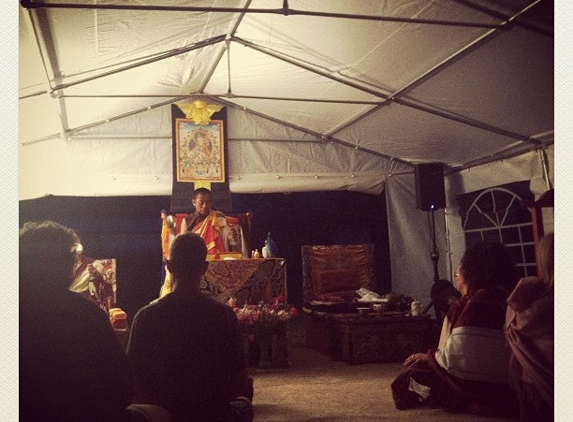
(416, 308)
(271, 246)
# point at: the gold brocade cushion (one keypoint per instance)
(330, 281)
(336, 270)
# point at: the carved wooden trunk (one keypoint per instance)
(379, 339)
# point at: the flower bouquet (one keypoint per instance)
(264, 328)
(264, 318)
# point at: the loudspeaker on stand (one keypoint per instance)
(430, 188)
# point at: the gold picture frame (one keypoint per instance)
(200, 151)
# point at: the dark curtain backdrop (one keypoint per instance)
(128, 229)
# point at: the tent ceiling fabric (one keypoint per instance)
(353, 90)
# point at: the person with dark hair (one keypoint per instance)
(186, 347)
(469, 370)
(443, 294)
(71, 364)
(529, 328)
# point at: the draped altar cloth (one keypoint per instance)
(248, 280)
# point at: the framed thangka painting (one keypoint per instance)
(200, 151)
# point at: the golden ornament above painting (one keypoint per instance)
(199, 111)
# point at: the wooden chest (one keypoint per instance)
(374, 338)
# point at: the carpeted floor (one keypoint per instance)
(316, 388)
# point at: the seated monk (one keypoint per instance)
(93, 281)
(221, 238)
(213, 226)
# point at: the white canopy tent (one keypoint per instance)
(330, 95)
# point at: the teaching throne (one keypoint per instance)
(331, 275)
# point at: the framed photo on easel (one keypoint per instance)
(200, 151)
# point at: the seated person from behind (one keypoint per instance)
(211, 225)
(469, 370)
(72, 366)
(530, 334)
(443, 294)
(186, 348)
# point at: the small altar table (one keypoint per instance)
(248, 280)
(371, 338)
(374, 338)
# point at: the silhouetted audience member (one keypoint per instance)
(443, 294)
(469, 370)
(530, 331)
(186, 347)
(71, 365)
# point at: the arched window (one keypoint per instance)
(497, 214)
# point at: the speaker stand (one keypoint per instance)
(434, 252)
(434, 256)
